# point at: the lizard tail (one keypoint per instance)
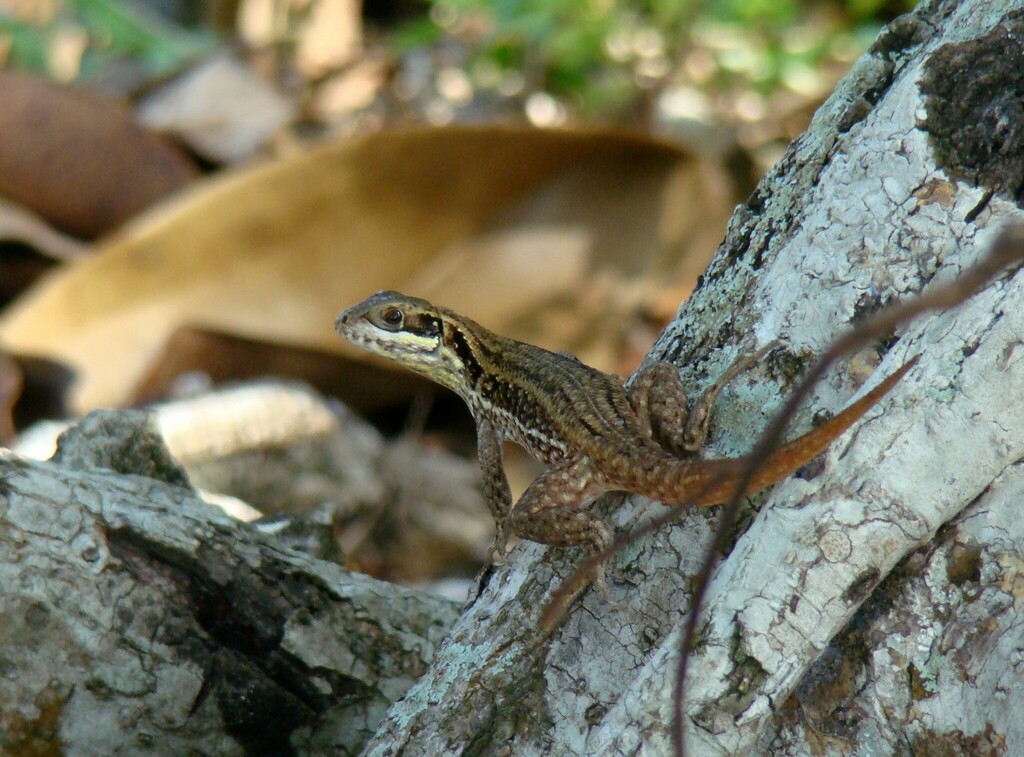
(713, 482)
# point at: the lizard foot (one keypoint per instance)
(602, 586)
(496, 553)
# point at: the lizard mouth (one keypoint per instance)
(351, 331)
(358, 337)
(349, 327)
(341, 324)
(361, 337)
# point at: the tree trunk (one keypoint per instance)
(869, 606)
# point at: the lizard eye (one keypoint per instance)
(393, 317)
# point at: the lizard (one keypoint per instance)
(593, 433)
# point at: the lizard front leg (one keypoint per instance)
(554, 510)
(496, 489)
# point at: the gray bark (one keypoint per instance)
(140, 620)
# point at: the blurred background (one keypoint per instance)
(190, 190)
(734, 78)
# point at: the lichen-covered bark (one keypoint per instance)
(139, 620)
(930, 663)
(866, 208)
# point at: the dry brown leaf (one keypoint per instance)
(220, 109)
(274, 252)
(572, 265)
(78, 159)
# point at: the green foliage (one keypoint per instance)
(415, 35)
(604, 56)
(562, 46)
(109, 31)
(28, 47)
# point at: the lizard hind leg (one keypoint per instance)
(554, 511)
(659, 400)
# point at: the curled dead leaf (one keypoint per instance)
(514, 226)
(80, 160)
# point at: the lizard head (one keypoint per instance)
(409, 331)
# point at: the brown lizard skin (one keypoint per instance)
(593, 434)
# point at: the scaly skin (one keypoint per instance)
(593, 435)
